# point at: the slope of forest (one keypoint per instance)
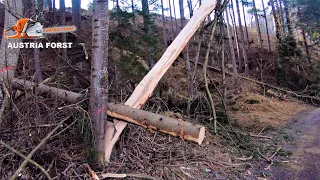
(254, 94)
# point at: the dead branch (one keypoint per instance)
(43, 141)
(24, 157)
(260, 136)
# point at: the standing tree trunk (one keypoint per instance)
(246, 28)
(49, 4)
(63, 23)
(76, 13)
(190, 8)
(164, 25)
(175, 14)
(40, 6)
(255, 10)
(276, 20)
(147, 28)
(54, 11)
(232, 16)
(288, 20)
(244, 49)
(281, 19)
(182, 18)
(99, 75)
(8, 57)
(233, 56)
(171, 21)
(267, 28)
(36, 52)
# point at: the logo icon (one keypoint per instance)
(27, 28)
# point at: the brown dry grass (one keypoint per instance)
(256, 112)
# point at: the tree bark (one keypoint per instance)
(244, 49)
(257, 23)
(145, 88)
(267, 28)
(175, 14)
(99, 74)
(175, 127)
(190, 8)
(8, 57)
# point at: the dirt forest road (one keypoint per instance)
(304, 163)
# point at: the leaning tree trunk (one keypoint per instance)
(244, 49)
(99, 74)
(8, 57)
(257, 23)
(267, 28)
(147, 85)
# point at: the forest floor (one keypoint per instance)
(305, 160)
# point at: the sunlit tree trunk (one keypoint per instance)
(276, 20)
(288, 20)
(99, 75)
(246, 28)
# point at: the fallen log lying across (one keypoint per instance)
(175, 127)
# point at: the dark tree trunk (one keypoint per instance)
(246, 28)
(63, 23)
(182, 18)
(190, 7)
(54, 11)
(235, 32)
(147, 28)
(76, 13)
(99, 74)
(175, 14)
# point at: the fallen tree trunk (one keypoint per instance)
(175, 127)
(147, 85)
